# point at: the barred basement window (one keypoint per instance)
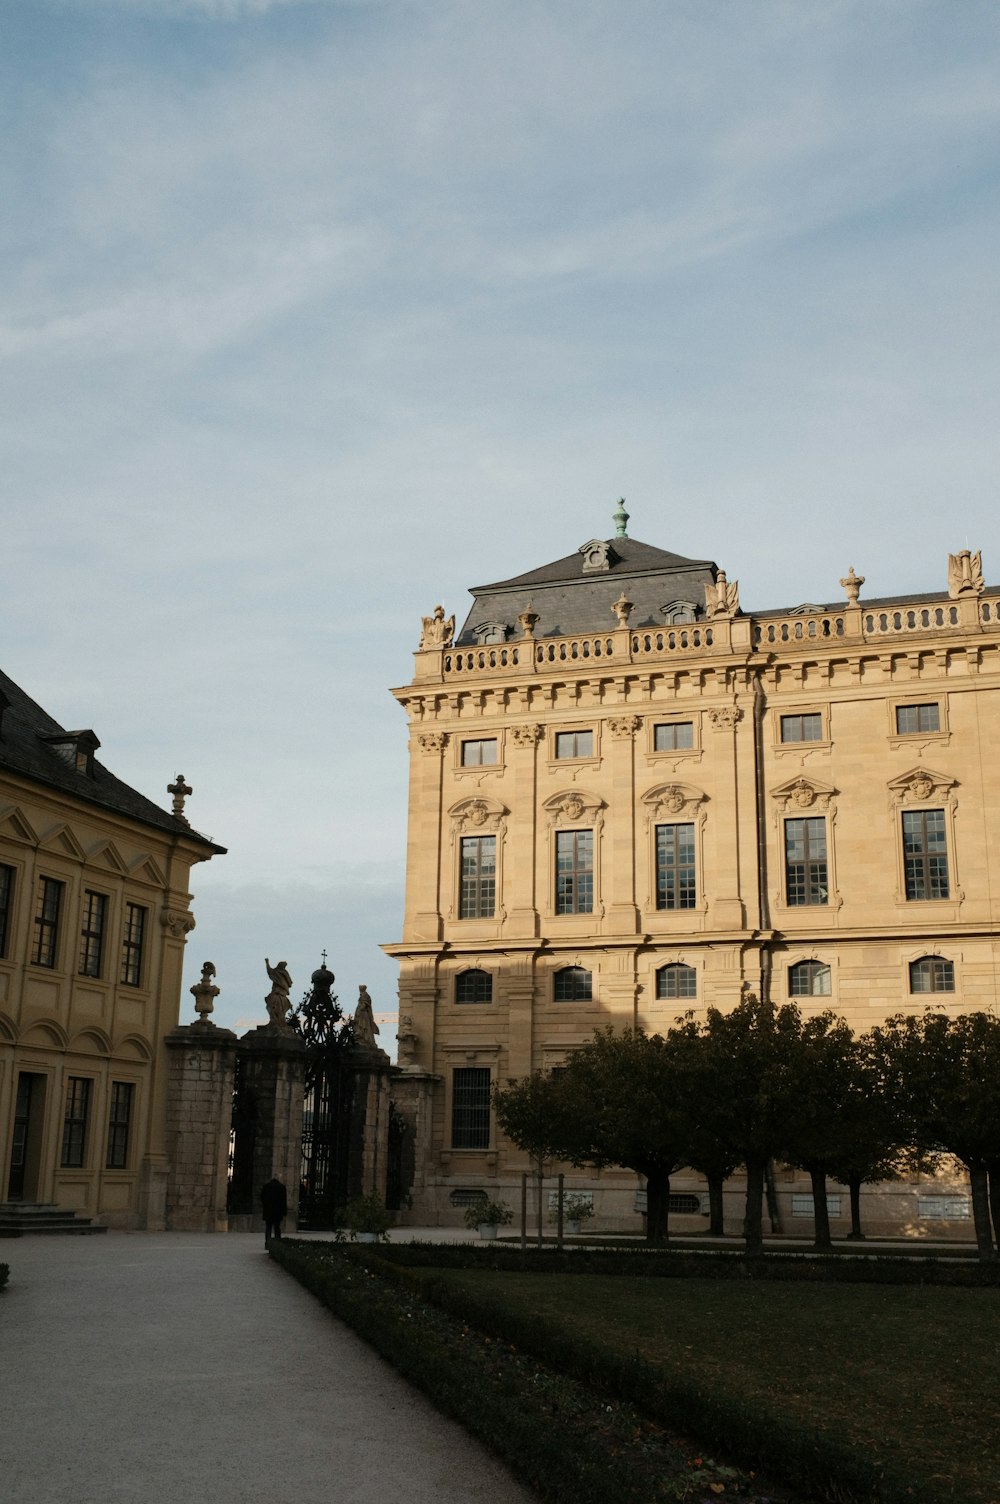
(573, 985)
(46, 937)
(470, 1107)
(802, 728)
(6, 905)
(676, 980)
(479, 877)
(479, 754)
(119, 1123)
(95, 907)
(805, 862)
(932, 974)
(802, 1205)
(925, 854)
(474, 987)
(74, 1140)
(809, 979)
(466, 1196)
(132, 943)
(912, 719)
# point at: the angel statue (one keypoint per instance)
(437, 630)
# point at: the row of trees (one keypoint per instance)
(762, 1083)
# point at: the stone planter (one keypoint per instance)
(573, 1228)
(366, 1237)
(487, 1229)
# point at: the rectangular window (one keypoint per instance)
(673, 737)
(119, 1123)
(95, 907)
(805, 862)
(6, 905)
(46, 936)
(470, 1107)
(74, 1142)
(574, 744)
(574, 872)
(479, 754)
(802, 728)
(479, 877)
(925, 854)
(132, 943)
(802, 1205)
(944, 1208)
(911, 719)
(675, 875)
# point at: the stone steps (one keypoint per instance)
(19, 1218)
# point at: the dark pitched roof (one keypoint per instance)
(28, 746)
(570, 600)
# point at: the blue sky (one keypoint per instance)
(314, 314)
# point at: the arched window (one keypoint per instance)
(932, 974)
(573, 985)
(474, 987)
(809, 979)
(676, 981)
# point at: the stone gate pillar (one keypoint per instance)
(199, 1110)
(368, 1140)
(273, 1064)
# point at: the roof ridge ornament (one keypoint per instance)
(620, 519)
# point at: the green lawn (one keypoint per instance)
(910, 1374)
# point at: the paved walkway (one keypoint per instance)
(186, 1368)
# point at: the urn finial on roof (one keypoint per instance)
(620, 519)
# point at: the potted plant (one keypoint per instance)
(368, 1219)
(577, 1208)
(487, 1215)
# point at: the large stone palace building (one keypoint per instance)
(630, 797)
(94, 911)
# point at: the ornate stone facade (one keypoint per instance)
(692, 811)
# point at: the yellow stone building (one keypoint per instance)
(629, 797)
(94, 910)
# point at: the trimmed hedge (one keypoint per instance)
(564, 1440)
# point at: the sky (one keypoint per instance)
(314, 313)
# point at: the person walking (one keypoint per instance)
(274, 1205)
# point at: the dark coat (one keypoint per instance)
(274, 1201)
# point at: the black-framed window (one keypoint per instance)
(470, 1107)
(481, 753)
(574, 871)
(74, 1142)
(806, 879)
(479, 877)
(676, 980)
(95, 908)
(932, 974)
(474, 987)
(133, 940)
(925, 854)
(119, 1124)
(674, 736)
(912, 719)
(802, 728)
(573, 984)
(675, 866)
(574, 744)
(48, 904)
(6, 905)
(809, 979)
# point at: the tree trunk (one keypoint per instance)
(979, 1185)
(716, 1226)
(854, 1186)
(657, 1206)
(821, 1212)
(993, 1177)
(752, 1229)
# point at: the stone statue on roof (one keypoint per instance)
(438, 630)
(965, 573)
(722, 598)
(365, 1027)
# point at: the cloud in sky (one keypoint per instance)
(311, 314)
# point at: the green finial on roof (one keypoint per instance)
(620, 519)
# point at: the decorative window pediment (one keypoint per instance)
(805, 794)
(16, 825)
(598, 555)
(490, 631)
(919, 785)
(477, 816)
(679, 611)
(61, 838)
(673, 801)
(574, 807)
(106, 854)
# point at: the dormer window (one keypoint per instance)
(678, 611)
(76, 748)
(598, 556)
(490, 631)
